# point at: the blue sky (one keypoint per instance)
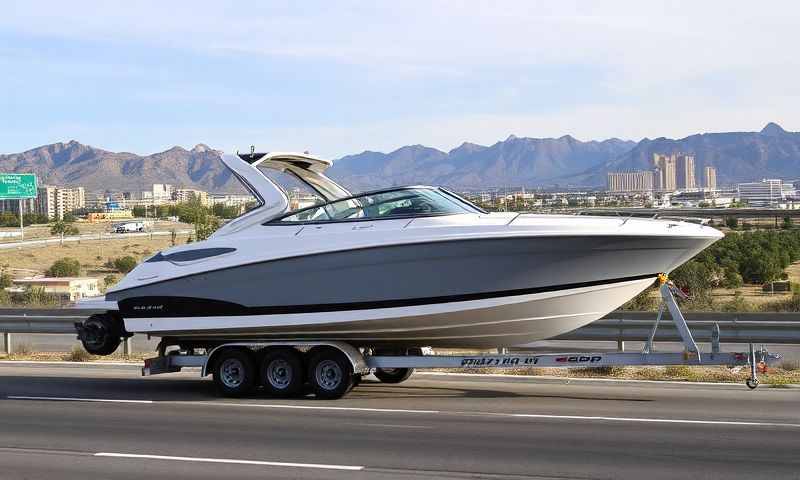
(342, 77)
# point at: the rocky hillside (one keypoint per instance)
(737, 156)
(73, 163)
(516, 161)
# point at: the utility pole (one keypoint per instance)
(21, 226)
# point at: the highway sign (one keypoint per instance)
(17, 185)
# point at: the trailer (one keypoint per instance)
(330, 369)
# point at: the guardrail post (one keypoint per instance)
(620, 341)
(126, 346)
(7, 343)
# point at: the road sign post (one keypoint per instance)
(18, 186)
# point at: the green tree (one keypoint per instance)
(732, 278)
(69, 218)
(61, 229)
(139, 211)
(205, 227)
(5, 280)
(787, 223)
(64, 267)
(124, 264)
(732, 222)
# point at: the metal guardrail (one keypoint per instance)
(619, 326)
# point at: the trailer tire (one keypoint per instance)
(234, 372)
(282, 372)
(330, 373)
(393, 375)
(101, 334)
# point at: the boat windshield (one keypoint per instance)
(396, 203)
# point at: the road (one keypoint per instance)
(61, 422)
(87, 236)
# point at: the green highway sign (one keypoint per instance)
(17, 185)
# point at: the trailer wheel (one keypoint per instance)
(393, 375)
(282, 372)
(234, 372)
(330, 373)
(100, 334)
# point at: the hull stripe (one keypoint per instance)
(165, 307)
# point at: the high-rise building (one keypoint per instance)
(183, 195)
(162, 192)
(685, 171)
(640, 181)
(668, 171)
(711, 178)
(57, 201)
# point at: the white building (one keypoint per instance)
(72, 288)
(766, 193)
(57, 201)
(162, 192)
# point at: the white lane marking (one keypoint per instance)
(307, 407)
(390, 425)
(434, 412)
(231, 460)
(639, 420)
(75, 399)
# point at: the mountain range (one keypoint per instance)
(514, 162)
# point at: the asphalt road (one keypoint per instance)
(60, 422)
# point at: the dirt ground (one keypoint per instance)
(92, 254)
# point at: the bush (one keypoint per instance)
(5, 280)
(78, 354)
(109, 280)
(64, 267)
(124, 264)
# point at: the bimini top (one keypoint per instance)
(272, 199)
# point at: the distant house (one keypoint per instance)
(72, 288)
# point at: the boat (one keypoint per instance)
(400, 267)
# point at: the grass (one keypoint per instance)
(776, 376)
(77, 354)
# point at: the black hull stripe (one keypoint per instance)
(157, 307)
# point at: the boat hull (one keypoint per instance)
(492, 322)
(456, 293)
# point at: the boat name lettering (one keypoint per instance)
(148, 307)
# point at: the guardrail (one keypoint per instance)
(619, 326)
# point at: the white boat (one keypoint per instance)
(399, 267)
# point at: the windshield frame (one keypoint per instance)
(468, 208)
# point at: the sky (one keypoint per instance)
(337, 78)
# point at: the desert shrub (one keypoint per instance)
(109, 280)
(78, 354)
(5, 280)
(124, 264)
(64, 267)
(791, 304)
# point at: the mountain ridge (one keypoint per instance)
(513, 162)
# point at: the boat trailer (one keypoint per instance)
(397, 366)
